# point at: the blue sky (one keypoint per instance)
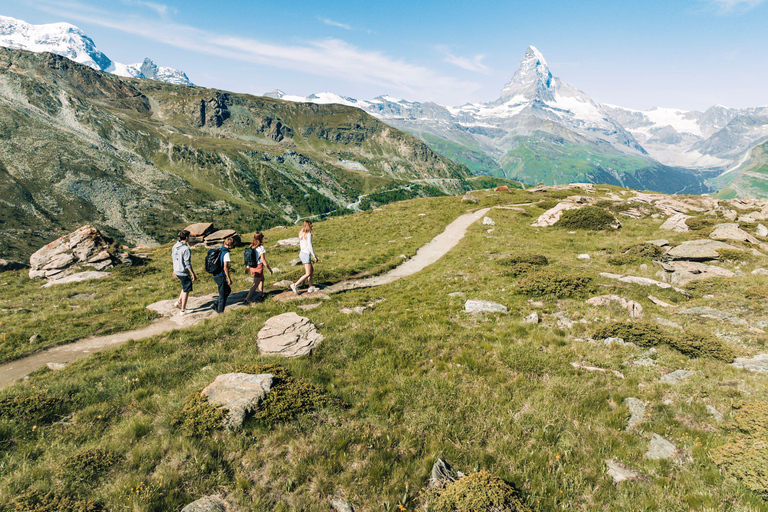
(688, 54)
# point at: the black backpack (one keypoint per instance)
(250, 257)
(213, 263)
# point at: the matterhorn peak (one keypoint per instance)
(532, 80)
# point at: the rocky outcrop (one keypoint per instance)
(76, 278)
(216, 239)
(634, 309)
(238, 393)
(288, 335)
(758, 363)
(676, 223)
(698, 250)
(551, 216)
(70, 253)
(682, 272)
(206, 504)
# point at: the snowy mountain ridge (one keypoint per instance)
(69, 41)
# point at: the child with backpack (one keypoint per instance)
(255, 262)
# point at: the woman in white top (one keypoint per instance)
(306, 254)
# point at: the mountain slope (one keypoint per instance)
(71, 42)
(142, 157)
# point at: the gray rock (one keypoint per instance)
(285, 283)
(668, 323)
(760, 272)
(699, 250)
(676, 223)
(715, 413)
(238, 393)
(758, 363)
(83, 296)
(309, 307)
(469, 198)
(206, 504)
(660, 448)
(644, 361)
(621, 472)
(761, 231)
(289, 242)
(563, 321)
(56, 366)
(83, 247)
(634, 309)
(553, 215)
(682, 272)
(675, 376)
(348, 311)
(341, 505)
(442, 474)
(643, 266)
(732, 232)
(613, 341)
(456, 294)
(707, 312)
(636, 412)
(659, 302)
(584, 257)
(76, 278)
(288, 335)
(533, 318)
(34, 338)
(476, 306)
(295, 262)
(487, 221)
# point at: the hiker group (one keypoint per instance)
(218, 263)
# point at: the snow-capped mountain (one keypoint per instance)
(71, 42)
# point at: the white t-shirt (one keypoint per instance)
(226, 258)
(259, 251)
(305, 244)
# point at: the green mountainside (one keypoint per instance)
(139, 158)
(750, 179)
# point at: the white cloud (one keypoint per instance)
(335, 24)
(733, 6)
(161, 10)
(469, 63)
(327, 57)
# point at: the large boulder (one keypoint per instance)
(676, 223)
(698, 250)
(238, 393)
(200, 229)
(216, 239)
(288, 335)
(732, 231)
(634, 309)
(206, 504)
(551, 216)
(82, 248)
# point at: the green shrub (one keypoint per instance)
(734, 255)
(642, 334)
(555, 282)
(39, 501)
(587, 217)
(521, 264)
(476, 492)
(547, 204)
(751, 418)
(31, 408)
(198, 418)
(702, 345)
(288, 396)
(635, 253)
(699, 223)
(90, 464)
(756, 292)
(746, 457)
(562, 194)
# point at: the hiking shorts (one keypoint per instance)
(186, 283)
(305, 257)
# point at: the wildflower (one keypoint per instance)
(401, 507)
(34, 427)
(557, 456)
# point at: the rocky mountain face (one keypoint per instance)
(541, 129)
(71, 42)
(139, 159)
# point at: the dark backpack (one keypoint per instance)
(250, 257)
(213, 263)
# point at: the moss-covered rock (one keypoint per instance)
(90, 464)
(587, 217)
(39, 501)
(555, 282)
(477, 492)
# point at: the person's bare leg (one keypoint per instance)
(307, 274)
(183, 299)
(311, 273)
(254, 286)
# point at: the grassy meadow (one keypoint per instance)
(412, 379)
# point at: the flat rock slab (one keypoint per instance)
(621, 472)
(636, 411)
(220, 235)
(289, 296)
(642, 281)
(238, 393)
(634, 309)
(200, 228)
(758, 363)
(681, 272)
(288, 335)
(676, 223)
(676, 376)
(476, 306)
(732, 232)
(206, 504)
(76, 278)
(289, 242)
(699, 250)
(715, 314)
(341, 505)
(660, 448)
(553, 215)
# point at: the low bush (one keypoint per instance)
(734, 255)
(642, 334)
(746, 458)
(198, 418)
(699, 223)
(90, 464)
(547, 204)
(587, 217)
(521, 264)
(288, 396)
(635, 253)
(555, 282)
(31, 408)
(702, 345)
(38, 501)
(476, 492)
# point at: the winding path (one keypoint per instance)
(200, 306)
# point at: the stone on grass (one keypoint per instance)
(682, 272)
(715, 314)
(81, 248)
(621, 472)
(487, 221)
(761, 231)
(285, 283)
(295, 262)
(634, 309)
(76, 278)
(34, 338)
(675, 376)
(660, 448)
(341, 505)
(238, 393)
(636, 412)
(309, 307)
(442, 474)
(732, 232)
(533, 318)
(469, 198)
(475, 306)
(758, 363)
(676, 223)
(553, 215)
(289, 242)
(715, 413)
(585, 257)
(206, 504)
(358, 309)
(456, 294)
(563, 321)
(659, 302)
(288, 335)
(699, 250)
(56, 366)
(760, 272)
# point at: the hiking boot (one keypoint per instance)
(313, 289)
(294, 289)
(177, 304)
(183, 312)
